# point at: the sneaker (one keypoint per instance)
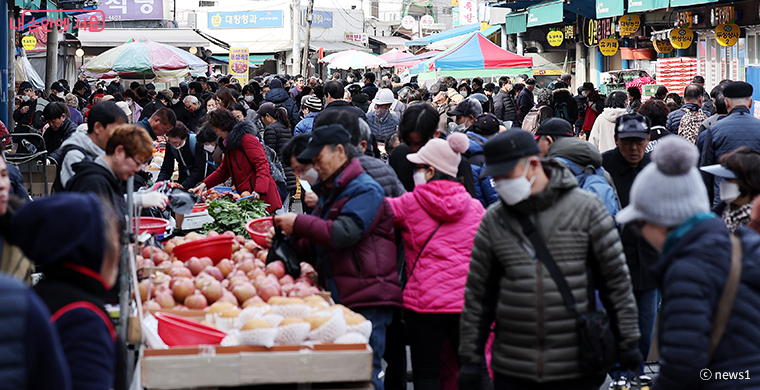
(618, 384)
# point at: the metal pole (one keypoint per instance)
(124, 287)
(6, 63)
(51, 58)
(305, 65)
(296, 38)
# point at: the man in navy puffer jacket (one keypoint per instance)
(281, 98)
(670, 207)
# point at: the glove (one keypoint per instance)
(630, 359)
(155, 199)
(469, 377)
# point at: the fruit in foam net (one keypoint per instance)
(291, 320)
(256, 324)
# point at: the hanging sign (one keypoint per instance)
(239, 64)
(407, 22)
(681, 38)
(29, 42)
(629, 24)
(427, 21)
(608, 47)
(663, 46)
(555, 38)
(727, 34)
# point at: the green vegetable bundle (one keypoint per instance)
(231, 215)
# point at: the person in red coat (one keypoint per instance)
(244, 160)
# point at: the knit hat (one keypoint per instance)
(670, 190)
(71, 100)
(275, 84)
(313, 103)
(443, 155)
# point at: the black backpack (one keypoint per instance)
(57, 185)
(561, 111)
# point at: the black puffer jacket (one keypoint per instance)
(504, 106)
(280, 98)
(383, 174)
(276, 136)
(54, 139)
(563, 95)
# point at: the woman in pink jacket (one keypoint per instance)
(438, 221)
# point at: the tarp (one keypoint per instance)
(475, 52)
(455, 32)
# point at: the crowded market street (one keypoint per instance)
(395, 195)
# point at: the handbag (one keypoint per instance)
(283, 250)
(597, 343)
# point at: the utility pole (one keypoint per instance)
(296, 38)
(51, 58)
(309, 17)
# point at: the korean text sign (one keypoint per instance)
(248, 19)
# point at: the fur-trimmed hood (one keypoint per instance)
(235, 138)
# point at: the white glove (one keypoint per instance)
(154, 199)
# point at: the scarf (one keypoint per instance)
(734, 217)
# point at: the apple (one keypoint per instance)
(244, 291)
(196, 301)
(276, 268)
(195, 265)
(228, 297)
(225, 266)
(215, 272)
(206, 261)
(212, 290)
(165, 299)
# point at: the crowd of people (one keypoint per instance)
(481, 225)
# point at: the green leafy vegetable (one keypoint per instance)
(231, 215)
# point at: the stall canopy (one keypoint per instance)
(459, 31)
(476, 56)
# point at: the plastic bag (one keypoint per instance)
(283, 250)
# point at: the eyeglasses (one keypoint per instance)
(142, 165)
(633, 141)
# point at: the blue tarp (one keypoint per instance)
(753, 77)
(444, 35)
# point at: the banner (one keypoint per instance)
(468, 12)
(360, 38)
(132, 9)
(239, 64)
(246, 19)
(322, 19)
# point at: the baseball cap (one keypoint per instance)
(324, 135)
(467, 107)
(588, 86)
(384, 96)
(57, 87)
(24, 86)
(486, 124)
(719, 170)
(556, 127)
(530, 81)
(632, 126)
(505, 149)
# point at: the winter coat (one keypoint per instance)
(639, 255)
(381, 128)
(306, 125)
(563, 95)
(97, 177)
(343, 105)
(437, 275)
(75, 149)
(246, 163)
(524, 104)
(536, 335)
(145, 124)
(197, 120)
(603, 133)
(593, 111)
(484, 190)
(280, 98)
(55, 138)
(691, 274)
(204, 166)
(370, 90)
(350, 237)
(580, 102)
(76, 116)
(405, 170)
(582, 153)
(114, 87)
(361, 101)
(674, 118)
(185, 162)
(739, 128)
(504, 106)
(151, 108)
(276, 136)
(383, 175)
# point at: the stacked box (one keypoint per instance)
(676, 73)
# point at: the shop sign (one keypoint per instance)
(239, 64)
(683, 18)
(608, 47)
(663, 46)
(361, 38)
(43, 21)
(468, 12)
(132, 9)
(721, 15)
(596, 30)
(427, 21)
(29, 42)
(629, 24)
(555, 38)
(727, 34)
(245, 19)
(322, 19)
(407, 22)
(681, 38)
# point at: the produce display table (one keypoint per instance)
(345, 366)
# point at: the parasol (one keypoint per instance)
(353, 59)
(144, 59)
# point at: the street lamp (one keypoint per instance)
(193, 50)
(80, 54)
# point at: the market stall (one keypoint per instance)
(473, 56)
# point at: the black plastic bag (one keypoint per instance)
(181, 201)
(283, 250)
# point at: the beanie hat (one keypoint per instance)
(72, 100)
(275, 84)
(62, 228)
(313, 103)
(443, 155)
(670, 190)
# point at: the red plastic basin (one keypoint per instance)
(217, 248)
(259, 229)
(200, 207)
(151, 225)
(179, 331)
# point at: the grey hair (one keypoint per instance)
(365, 133)
(733, 102)
(191, 99)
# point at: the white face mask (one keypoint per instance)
(514, 191)
(182, 144)
(249, 98)
(419, 178)
(175, 101)
(585, 93)
(462, 127)
(211, 109)
(463, 93)
(25, 98)
(729, 192)
(60, 95)
(209, 148)
(310, 175)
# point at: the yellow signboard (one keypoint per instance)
(727, 34)
(239, 64)
(681, 38)
(663, 46)
(555, 38)
(629, 24)
(608, 47)
(29, 42)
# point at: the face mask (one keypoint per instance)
(382, 113)
(514, 191)
(509, 87)
(729, 191)
(419, 178)
(175, 101)
(310, 175)
(60, 95)
(129, 101)
(462, 127)
(25, 98)
(182, 144)
(585, 93)
(249, 98)
(463, 93)
(211, 109)
(209, 148)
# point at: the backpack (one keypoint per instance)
(530, 122)
(561, 111)
(275, 168)
(57, 185)
(592, 180)
(191, 140)
(691, 121)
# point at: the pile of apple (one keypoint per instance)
(243, 280)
